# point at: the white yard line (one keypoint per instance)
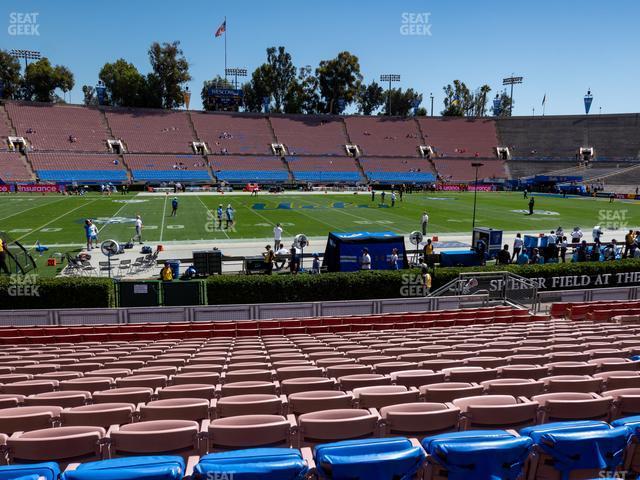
(125, 204)
(31, 208)
(213, 218)
(164, 212)
(55, 219)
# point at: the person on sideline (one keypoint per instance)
(503, 257)
(394, 261)
(425, 222)
(365, 260)
(268, 259)
(166, 274)
(138, 235)
(174, 207)
(277, 236)
(518, 243)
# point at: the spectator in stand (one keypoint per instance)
(563, 249)
(581, 252)
(294, 260)
(576, 235)
(535, 257)
(523, 258)
(629, 240)
(518, 243)
(3, 257)
(166, 274)
(315, 266)
(268, 259)
(503, 257)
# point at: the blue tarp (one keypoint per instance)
(343, 250)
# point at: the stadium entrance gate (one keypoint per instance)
(501, 287)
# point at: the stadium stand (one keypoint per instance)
(151, 131)
(384, 136)
(5, 129)
(168, 167)
(13, 168)
(234, 133)
(82, 379)
(614, 137)
(398, 170)
(59, 128)
(460, 170)
(78, 167)
(247, 169)
(460, 137)
(310, 134)
(324, 169)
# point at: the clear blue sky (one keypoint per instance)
(560, 47)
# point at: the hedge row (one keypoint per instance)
(36, 292)
(31, 292)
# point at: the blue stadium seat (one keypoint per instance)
(160, 467)
(401, 177)
(252, 176)
(32, 471)
(254, 463)
(487, 454)
(327, 176)
(370, 459)
(82, 175)
(581, 445)
(171, 175)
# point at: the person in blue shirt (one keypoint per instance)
(523, 258)
(174, 207)
(229, 213)
(219, 213)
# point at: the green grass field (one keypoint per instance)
(58, 220)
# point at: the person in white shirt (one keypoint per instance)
(518, 243)
(596, 234)
(576, 235)
(425, 222)
(277, 236)
(365, 260)
(94, 233)
(552, 238)
(138, 235)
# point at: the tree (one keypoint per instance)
(207, 102)
(170, 73)
(281, 74)
(41, 79)
(402, 102)
(457, 99)
(370, 98)
(256, 89)
(89, 95)
(482, 96)
(339, 81)
(125, 85)
(504, 105)
(303, 96)
(9, 75)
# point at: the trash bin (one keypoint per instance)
(139, 294)
(180, 292)
(175, 268)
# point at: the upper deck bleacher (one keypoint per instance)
(310, 134)
(381, 136)
(234, 133)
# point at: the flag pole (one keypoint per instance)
(225, 49)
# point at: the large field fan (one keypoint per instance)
(19, 260)
(301, 241)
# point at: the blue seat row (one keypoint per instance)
(171, 175)
(317, 176)
(401, 177)
(83, 175)
(589, 449)
(252, 176)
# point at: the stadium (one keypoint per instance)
(296, 272)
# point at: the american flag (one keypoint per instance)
(221, 29)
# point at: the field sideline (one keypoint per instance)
(57, 220)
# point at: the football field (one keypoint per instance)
(58, 220)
